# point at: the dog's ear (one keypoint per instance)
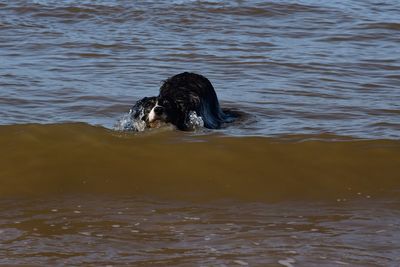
(189, 103)
(181, 105)
(194, 100)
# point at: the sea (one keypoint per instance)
(308, 175)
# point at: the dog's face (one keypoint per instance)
(164, 110)
(142, 108)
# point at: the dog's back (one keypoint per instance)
(188, 92)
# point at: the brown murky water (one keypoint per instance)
(74, 194)
(308, 177)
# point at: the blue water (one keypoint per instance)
(293, 66)
(78, 195)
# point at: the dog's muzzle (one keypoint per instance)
(156, 113)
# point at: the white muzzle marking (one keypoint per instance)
(152, 115)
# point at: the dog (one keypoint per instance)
(186, 96)
(186, 100)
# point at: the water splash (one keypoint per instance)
(128, 123)
(195, 122)
(131, 123)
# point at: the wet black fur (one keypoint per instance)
(181, 94)
(186, 92)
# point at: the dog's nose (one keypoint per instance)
(158, 110)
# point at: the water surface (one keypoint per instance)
(309, 176)
(305, 67)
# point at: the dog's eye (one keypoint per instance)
(165, 103)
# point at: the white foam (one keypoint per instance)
(287, 262)
(195, 121)
(127, 123)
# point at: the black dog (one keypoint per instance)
(184, 100)
(187, 94)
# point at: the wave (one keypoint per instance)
(78, 158)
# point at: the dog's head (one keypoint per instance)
(142, 108)
(179, 95)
